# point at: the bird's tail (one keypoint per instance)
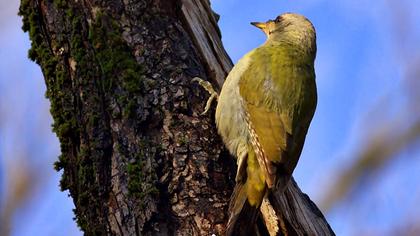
(243, 216)
(244, 208)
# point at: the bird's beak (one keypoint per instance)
(261, 25)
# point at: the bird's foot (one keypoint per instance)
(209, 88)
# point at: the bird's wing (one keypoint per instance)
(270, 113)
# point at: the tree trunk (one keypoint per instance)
(138, 159)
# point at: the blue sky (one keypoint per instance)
(362, 59)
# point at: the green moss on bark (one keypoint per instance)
(141, 180)
(105, 69)
(65, 125)
(116, 61)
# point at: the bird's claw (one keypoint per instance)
(209, 88)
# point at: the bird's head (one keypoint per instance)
(291, 28)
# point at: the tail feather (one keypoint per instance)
(243, 216)
(246, 198)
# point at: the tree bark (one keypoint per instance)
(137, 158)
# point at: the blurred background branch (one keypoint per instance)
(389, 133)
(21, 181)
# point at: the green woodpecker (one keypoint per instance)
(265, 107)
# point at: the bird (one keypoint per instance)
(263, 113)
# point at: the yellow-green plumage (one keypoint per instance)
(266, 105)
(255, 181)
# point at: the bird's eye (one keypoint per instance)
(278, 19)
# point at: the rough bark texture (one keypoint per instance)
(297, 214)
(137, 157)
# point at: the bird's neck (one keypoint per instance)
(300, 43)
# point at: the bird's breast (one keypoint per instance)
(230, 112)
